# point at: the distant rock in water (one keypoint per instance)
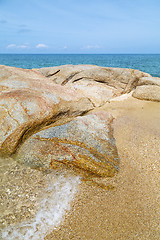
(45, 114)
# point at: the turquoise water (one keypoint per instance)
(149, 63)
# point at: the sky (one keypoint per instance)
(80, 26)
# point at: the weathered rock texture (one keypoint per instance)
(148, 89)
(85, 143)
(149, 81)
(39, 112)
(98, 83)
(121, 79)
(147, 92)
(101, 84)
(29, 101)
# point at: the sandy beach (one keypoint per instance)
(132, 209)
(75, 164)
(80, 120)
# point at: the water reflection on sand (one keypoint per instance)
(33, 202)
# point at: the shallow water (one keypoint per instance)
(33, 202)
(149, 63)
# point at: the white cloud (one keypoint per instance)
(41, 45)
(91, 47)
(12, 45)
(65, 47)
(23, 46)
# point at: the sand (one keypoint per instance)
(132, 209)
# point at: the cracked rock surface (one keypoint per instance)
(52, 120)
(48, 101)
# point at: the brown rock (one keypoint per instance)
(86, 143)
(123, 80)
(39, 109)
(147, 92)
(149, 81)
(29, 101)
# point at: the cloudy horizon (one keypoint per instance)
(118, 26)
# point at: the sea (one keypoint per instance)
(149, 63)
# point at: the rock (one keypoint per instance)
(149, 81)
(147, 92)
(29, 101)
(43, 115)
(86, 143)
(98, 93)
(121, 79)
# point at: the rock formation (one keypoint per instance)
(85, 142)
(148, 89)
(29, 101)
(46, 119)
(147, 92)
(102, 83)
(98, 83)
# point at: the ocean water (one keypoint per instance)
(149, 63)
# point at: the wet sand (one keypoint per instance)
(132, 209)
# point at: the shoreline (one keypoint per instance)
(33, 60)
(80, 126)
(131, 209)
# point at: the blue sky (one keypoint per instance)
(79, 26)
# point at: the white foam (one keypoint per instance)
(56, 200)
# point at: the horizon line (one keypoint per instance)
(84, 53)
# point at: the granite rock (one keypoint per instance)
(121, 79)
(149, 81)
(46, 119)
(147, 92)
(29, 101)
(85, 143)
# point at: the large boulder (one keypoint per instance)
(149, 81)
(39, 112)
(148, 88)
(121, 79)
(147, 92)
(40, 127)
(29, 101)
(85, 143)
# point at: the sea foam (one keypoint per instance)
(54, 203)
